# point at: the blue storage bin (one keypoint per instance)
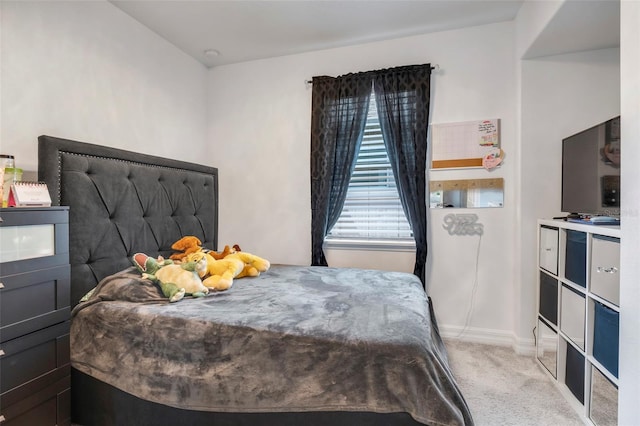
(606, 337)
(574, 373)
(548, 295)
(576, 257)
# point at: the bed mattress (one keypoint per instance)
(294, 339)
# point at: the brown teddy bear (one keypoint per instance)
(186, 245)
(190, 244)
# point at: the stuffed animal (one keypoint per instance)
(253, 265)
(186, 245)
(220, 255)
(174, 280)
(218, 274)
(190, 244)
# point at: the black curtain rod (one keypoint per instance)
(435, 67)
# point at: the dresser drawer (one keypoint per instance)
(549, 249)
(34, 317)
(605, 268)
(34, 355)
(49, 405)
(33, 300)
(33, 239)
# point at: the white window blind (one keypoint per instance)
(372, 209)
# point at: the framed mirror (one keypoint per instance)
(466, 193)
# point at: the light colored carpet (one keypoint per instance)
(503, 388)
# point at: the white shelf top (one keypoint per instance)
(608, 230)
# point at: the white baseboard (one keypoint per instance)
(489, 337)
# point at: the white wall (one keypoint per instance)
(259, 117)
(531, 21)
(629, 414)
(86, 71)
(561, 95)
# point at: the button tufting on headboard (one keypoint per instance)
(123, 202)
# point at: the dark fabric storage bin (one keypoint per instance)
(574, 373)
(606, 337)
(549, 298)
(576, 257)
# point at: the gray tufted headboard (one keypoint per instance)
(122, 202)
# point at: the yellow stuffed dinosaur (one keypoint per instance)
(221, 268)
(218, 274)
(253, 265)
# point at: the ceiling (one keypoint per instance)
(579, 26)
(219, 32)
(244, 30)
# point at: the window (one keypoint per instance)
(372, 209)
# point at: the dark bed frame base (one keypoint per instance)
(104, 232)
(94, 406)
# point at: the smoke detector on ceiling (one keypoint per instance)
(211, 53)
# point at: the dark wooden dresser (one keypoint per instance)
(34, 317)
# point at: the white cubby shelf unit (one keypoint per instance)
(577, 315)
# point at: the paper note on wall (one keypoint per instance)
(463, 144)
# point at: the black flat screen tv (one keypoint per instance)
(591, 170)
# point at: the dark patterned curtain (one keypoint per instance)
(402, 98)
(338, 116)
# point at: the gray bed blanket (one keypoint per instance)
(292, 339)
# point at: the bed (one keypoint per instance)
(297, 345)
